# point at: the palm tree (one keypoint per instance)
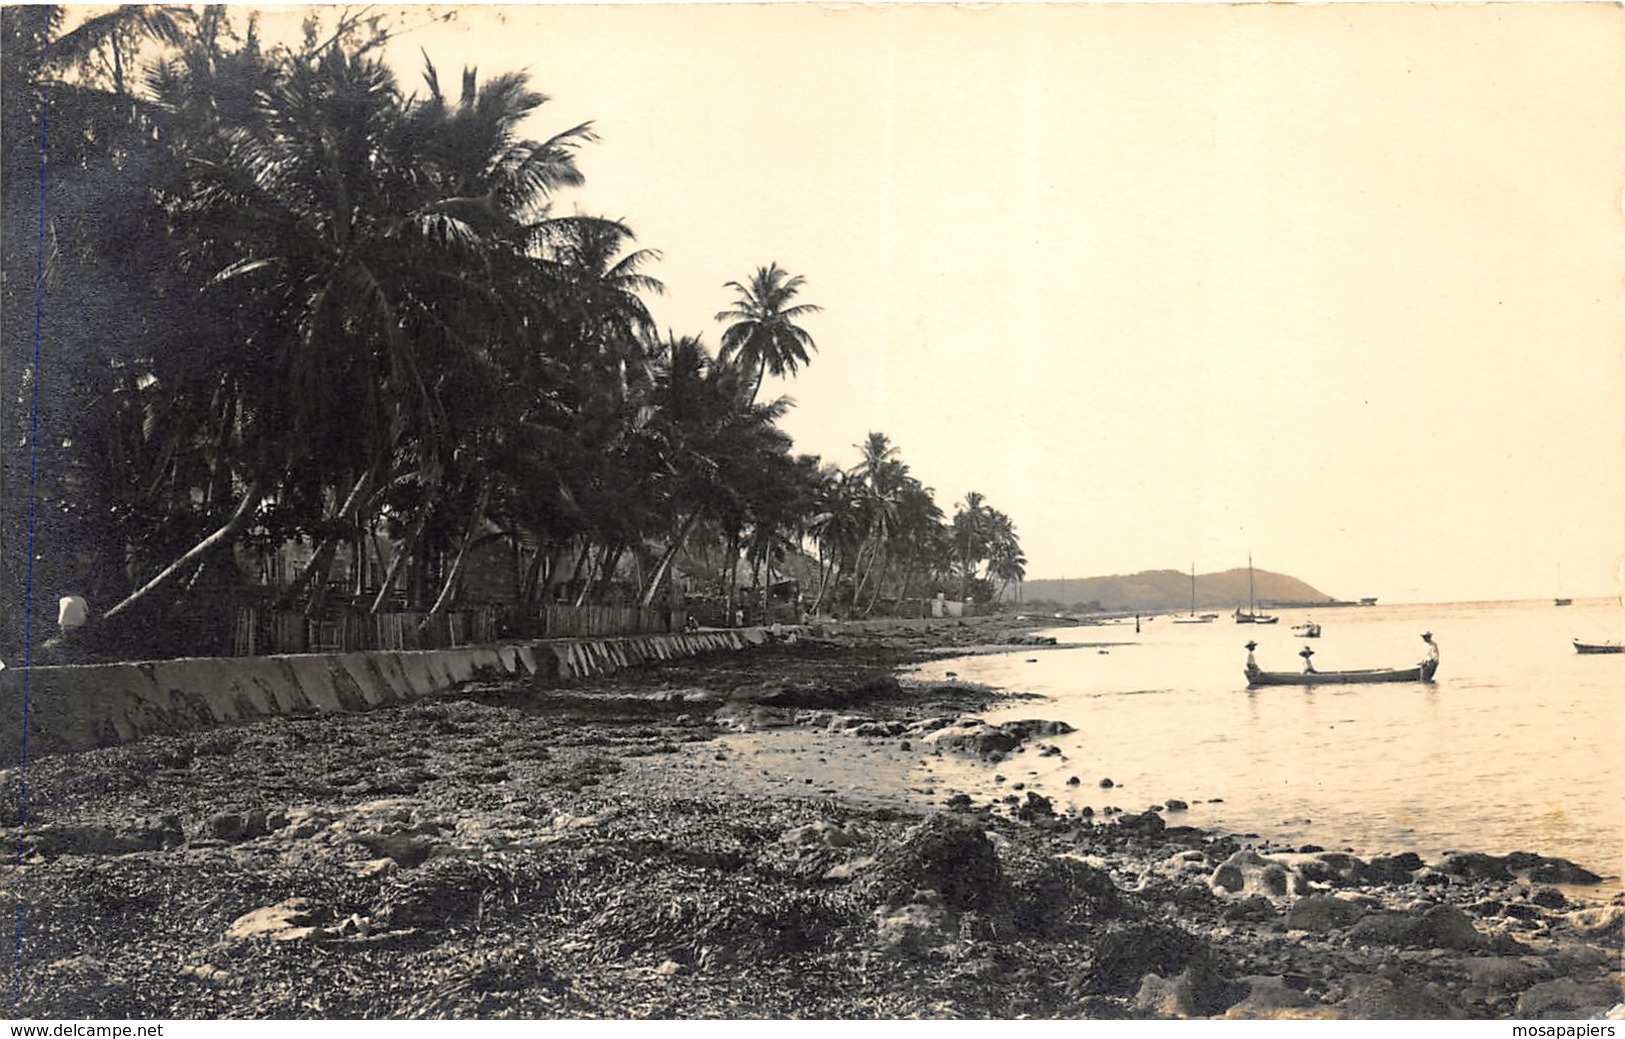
(920, 535)
(380, 247)
(762, 335)
(970, 537)
(1005, 559)
(836, 525)
(124, 472)
(881, 475)
(102, 48)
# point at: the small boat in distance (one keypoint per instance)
(1251, 614)
(1206, 618)
(1309, 630)
(1562, 602)
(1422, 672)
(1598, 647)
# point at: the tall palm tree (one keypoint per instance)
(604, 303)
(920, 533)
(1005, 560)
(762, 335)
(380, 245)
(836, 525)
(882, 476)
(710, 447)
(970, 537)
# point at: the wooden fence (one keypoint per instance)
(261, 632)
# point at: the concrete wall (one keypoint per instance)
(97, 705)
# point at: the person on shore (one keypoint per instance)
(1308, 660)
(66, 646)
(72, 612)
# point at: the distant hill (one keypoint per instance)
(1169, 591)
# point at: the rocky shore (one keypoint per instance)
(762, 834)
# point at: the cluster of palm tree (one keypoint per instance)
(280, 300)
(880, 537)
(987, 549)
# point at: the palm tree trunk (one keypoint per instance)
(908, 582)
(533, 574)
(575, 571)
(223, 536)
(403, 552)
(824, 572)
(454, 573)
(733, 576)
(857, 568)
(322, 559)
(874, 558)
(592, 572)
(658, 578)
(607, 562)
(880, 583)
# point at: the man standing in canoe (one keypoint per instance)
(1433, 649)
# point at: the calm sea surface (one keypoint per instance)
(1519, 744)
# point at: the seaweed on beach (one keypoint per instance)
(479, 856)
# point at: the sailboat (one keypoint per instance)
(1561, 599)
(1206, 618)
(1252, 616)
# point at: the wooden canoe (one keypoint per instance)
(1598, 647)
(1422, 672)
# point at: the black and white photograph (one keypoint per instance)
(902, 512)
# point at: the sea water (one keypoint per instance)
(1518, 744)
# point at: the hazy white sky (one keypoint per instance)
(1337, 286)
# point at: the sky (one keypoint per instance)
(1340, 288)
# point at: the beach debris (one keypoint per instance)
(1569, 1000)
(295, 919)
(943, 853)
(977, 738)
(1246, 872)
(1062, 896)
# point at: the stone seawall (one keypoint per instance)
(80, 707)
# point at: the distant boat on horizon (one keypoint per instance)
(1251, 615)
(1206, 618)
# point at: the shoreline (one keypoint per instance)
(1223, 816)
(756, 834)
